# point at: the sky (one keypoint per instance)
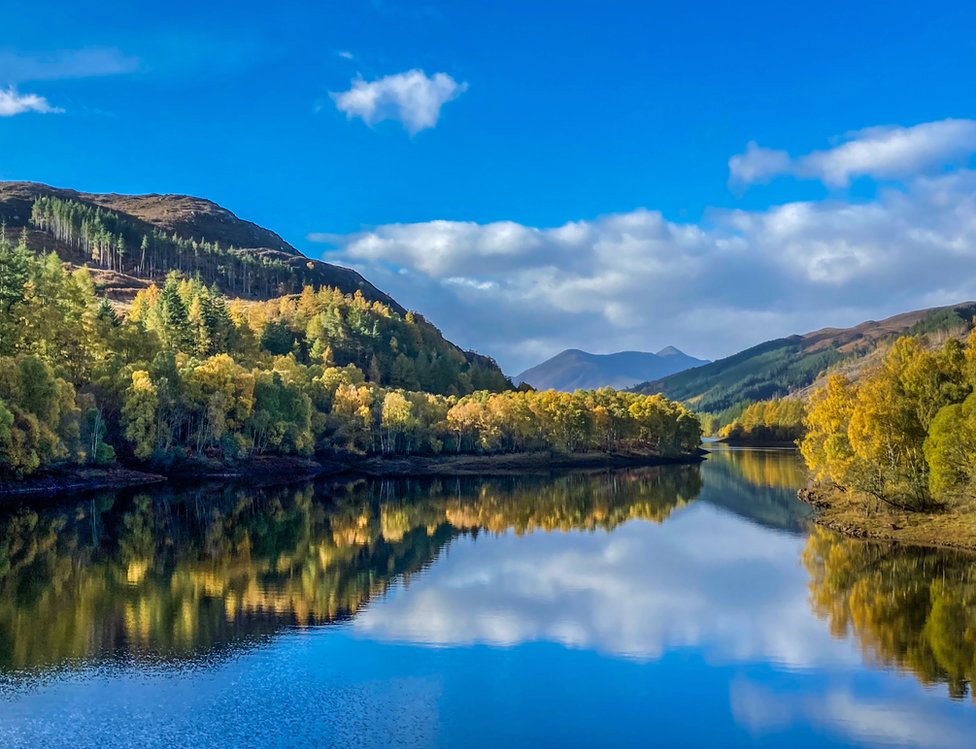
(539, 176)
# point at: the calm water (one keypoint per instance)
(659, 607)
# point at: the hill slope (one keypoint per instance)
(785, 365)
(579, 370)
(193, 235)
(132, 241)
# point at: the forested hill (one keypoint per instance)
(131, 240)
(785, 365)
(185, 379)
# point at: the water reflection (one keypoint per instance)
(912, 608)
(169, 575)
(757, 484)
(705, 579)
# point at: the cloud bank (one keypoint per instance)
(636, 280)
(411, 98)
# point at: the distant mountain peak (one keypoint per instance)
(574, 369)
(671, 351)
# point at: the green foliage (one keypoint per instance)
(950, 449)
(185, 376)
(944, 320)
(904, 433)
(39, 419)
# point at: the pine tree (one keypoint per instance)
(176, 320)
(106, 313)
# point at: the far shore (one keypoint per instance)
(846, 512)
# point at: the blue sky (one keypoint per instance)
(547, 115)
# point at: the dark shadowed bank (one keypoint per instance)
(749, 442)
(530, 462)
(77, 478)
(283, 470)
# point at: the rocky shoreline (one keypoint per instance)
(843, 511)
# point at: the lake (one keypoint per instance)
(676, 606)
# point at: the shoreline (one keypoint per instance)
(842, 511)
(78, 479)
(288, 469)
(543, 462)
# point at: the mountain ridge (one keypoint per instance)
(195, 221)
(787, 366)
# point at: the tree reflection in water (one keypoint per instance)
(186, 574)
(911, 608)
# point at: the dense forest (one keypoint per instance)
(187, 375)
(904, 434)
(769, 370)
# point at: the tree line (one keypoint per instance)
(778, 420)
(185, 374)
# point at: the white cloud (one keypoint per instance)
(13, 103)
(757, 164)
(412, 98)
(885, 152)
(638, 281)
(63, 64)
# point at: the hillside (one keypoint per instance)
(579, 370)
(131, 240)
(786, 365)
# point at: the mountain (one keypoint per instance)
(787, 365)
(132, 240)
(578, 370)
